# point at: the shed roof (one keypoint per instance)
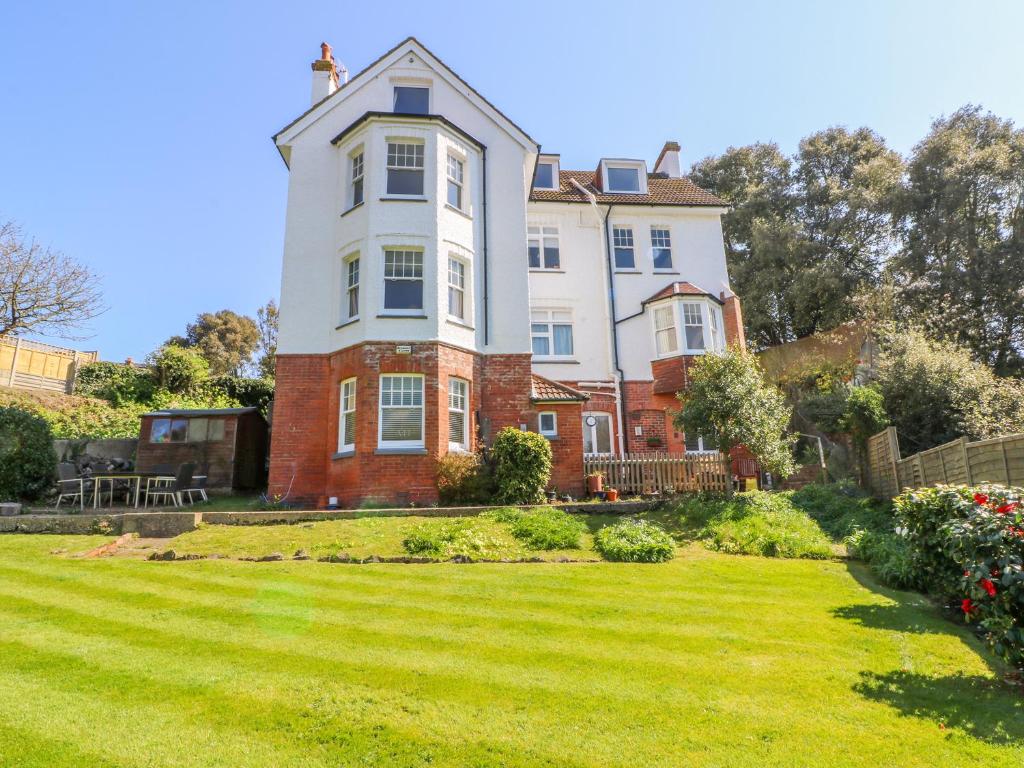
(202, 412)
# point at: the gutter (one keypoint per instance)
(483, 206)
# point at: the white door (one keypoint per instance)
(597, 433)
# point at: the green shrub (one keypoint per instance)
(180, 370)
(864, 414)
(842, 508)
(765, 524)
(249, 393)
(27, 459)
(987, 546)
(470, 537)
(634, 541)
(886, 554)
(522, 466)
(117, 383)
(463, 478)
(542, 529)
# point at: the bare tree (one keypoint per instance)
(42, 290)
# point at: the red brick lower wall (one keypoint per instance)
(306, 415)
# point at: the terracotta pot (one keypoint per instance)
(595, 483)
(612, 494)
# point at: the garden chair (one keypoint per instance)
(182, 484)
(199, 483)
(71, 486)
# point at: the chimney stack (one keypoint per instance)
(668, 161)
(325, 75)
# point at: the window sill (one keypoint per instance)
(403, 315)
(404, 199)
(348, 452)
(542, 271)
(349, 210)
(628, 272)
(557, 360)
(549, 437)
(460, 323)
(459, 211)
(347, 322)
(401, 452)
(667, 272)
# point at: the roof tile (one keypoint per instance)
(661, 190)
(548, 391)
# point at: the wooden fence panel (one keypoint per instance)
(996, 460)
(638, 473)
(28, 364)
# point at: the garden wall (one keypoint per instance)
(112, 448)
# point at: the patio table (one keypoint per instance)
(131, 477)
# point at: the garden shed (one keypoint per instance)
(229, 445)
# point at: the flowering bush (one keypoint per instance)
(967, 544)
(988, 544)
(634, 541)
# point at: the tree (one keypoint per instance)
(729, 400)
(804, 233)
(43, 290)
(959, 268)
(266, 322)
(225, 339)
(935, 391)
(180, 370)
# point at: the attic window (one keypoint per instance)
(623, 179)
(412, 100)
(545, 176)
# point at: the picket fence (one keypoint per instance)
(636, 473)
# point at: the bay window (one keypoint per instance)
(356, 183)
(405, 169)
(351, 301)
(347, 416)
(403, 281)
(693, 327)
(665, 337)
(401, 411)
(458, 414)
(456, 172)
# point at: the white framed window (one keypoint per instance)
(403, 281)
(350, 269)
(693, 327)
(661, 248)
(665, 337)
(347, 416)
(412, 100)
(625, 251)
(546, 176)
(542, 243)
(597, 433)
(356, 179)
(699, 444)
(456, 175)
(456, 288)
(551, 333)
(405, 169)
(714, 324)
(401, 411)
(548, 423)
(624, 177)
(458, 414)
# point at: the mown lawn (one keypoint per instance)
(708, 660)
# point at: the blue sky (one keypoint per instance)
(136, 136)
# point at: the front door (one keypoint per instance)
(597, 432)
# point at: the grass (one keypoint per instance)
(708, 660)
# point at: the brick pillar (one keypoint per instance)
(298, 446)
(733, 316)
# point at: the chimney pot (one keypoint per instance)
(325, 75)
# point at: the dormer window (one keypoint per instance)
(546, 175)
(412, 100)
(624, 177)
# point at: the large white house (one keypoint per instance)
(443, 278)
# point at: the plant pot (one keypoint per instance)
(552, 495)
(601, 495)
(612, 494)
(595, 484)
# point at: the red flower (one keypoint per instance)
(966, 573)
(967, 606)
(989, 587)
(1007, 507)
(980, 498)
(995, 573)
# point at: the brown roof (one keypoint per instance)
(680, 289)
(661, 190)
(548, 391)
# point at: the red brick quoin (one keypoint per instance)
(305, 467)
